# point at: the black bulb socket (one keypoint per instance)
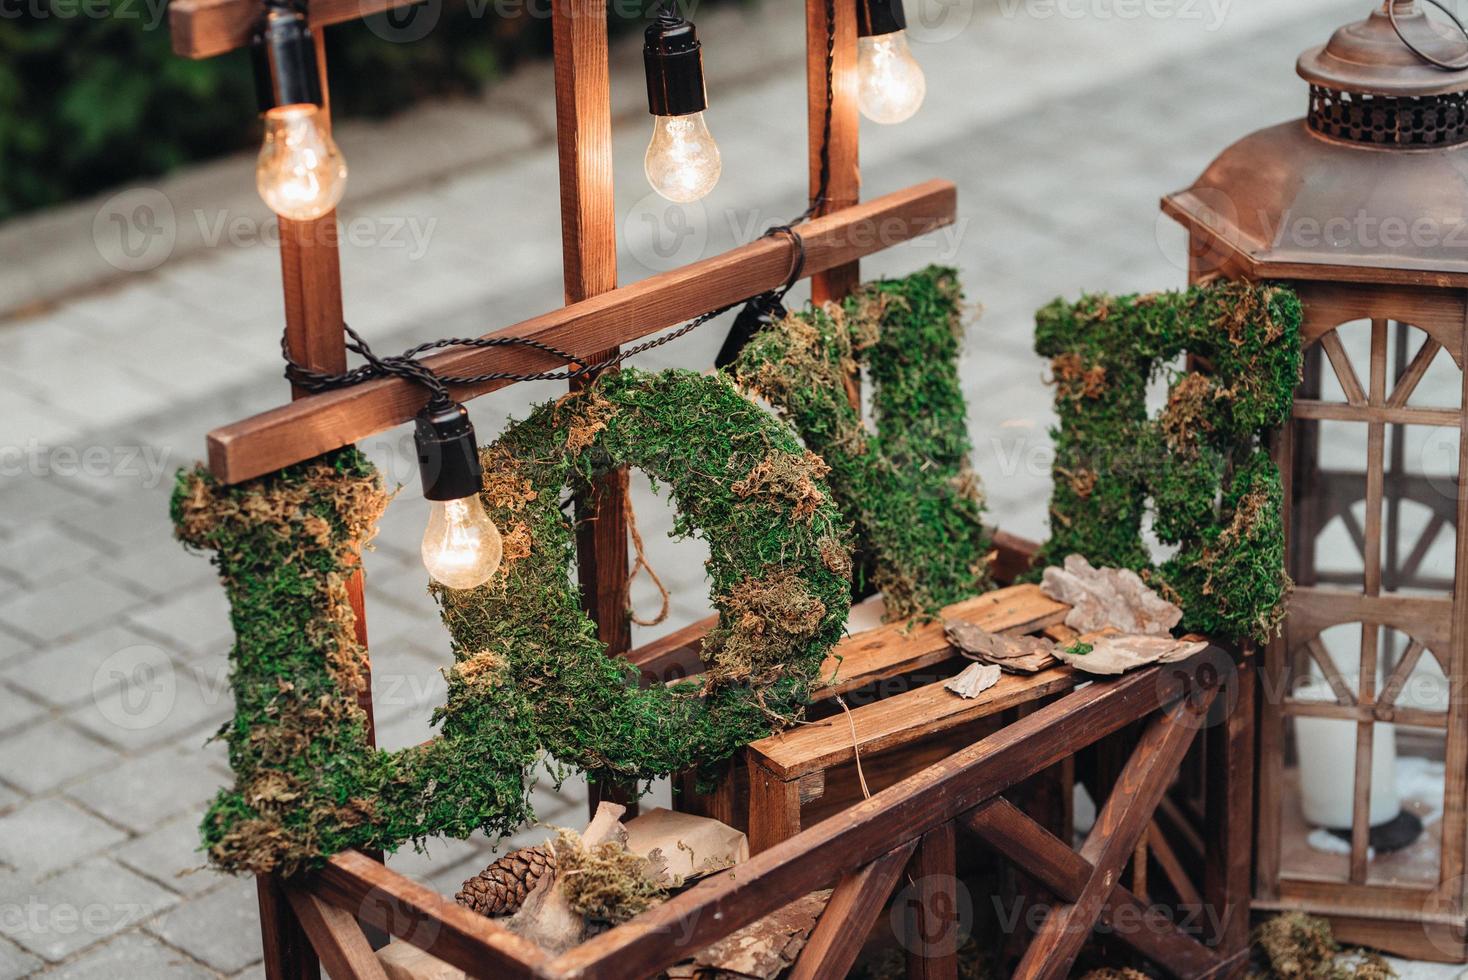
(758, 313)
(673, 59)
(283, 53)
(877, 17)
(448, 453)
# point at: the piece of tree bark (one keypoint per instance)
(974, 680)
(1109, 597)
(1116, 653)
(764, 949)
(1016, 654)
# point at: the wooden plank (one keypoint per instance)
(287, 949)
(1308, 408)
(327, 421)
(1450, 888)
(1015, 835)
(886, 651)
(1119, 825)
(858, 899)
(338, 939)
(589, 268)
(930, 918)
(1172, 868)
(1428, 618)
(1407, 383)
(774, 807)
(1344, 372)
(1416, 717)
(205, 28)
(435, 924)
(733, 899)
(844, 183)
(1228, 819)
(899, 720)
(1013, 556)
(899, 648)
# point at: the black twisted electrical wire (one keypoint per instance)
(407, 366)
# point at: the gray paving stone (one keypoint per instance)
(48, 754)
(17, 710)
(161, 699)
(14, 646)
(9, 799)
(161, 568)
(133, 955)
(68, 674)
(139, 517)
(196, 622)
(170, 855)
(141, 792)
(66, 608)
(43, 552)
(51, 833)
(221, 928)
(255, 972)
(15, 962)
(79, 907)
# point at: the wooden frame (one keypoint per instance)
(333, 918)
(1423, 919)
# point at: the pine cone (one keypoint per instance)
(501, 888)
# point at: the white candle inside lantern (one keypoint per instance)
(1327, 754)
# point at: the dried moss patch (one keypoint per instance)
(605, 882)
(907, 488)
(1200, 468)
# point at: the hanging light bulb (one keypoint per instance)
(300, 172)
(682, 161)
(461, 546)
(890, 82)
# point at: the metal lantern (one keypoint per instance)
(1362, 207)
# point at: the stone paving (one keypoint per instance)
(113, 640)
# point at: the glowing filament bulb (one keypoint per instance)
(890, 83)
(682, 161)
(461, 547)
(300, 173)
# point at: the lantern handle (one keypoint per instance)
(1391, 13)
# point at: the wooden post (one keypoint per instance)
(310, 270)
(932, 914)
(589, 261)
(844, 185)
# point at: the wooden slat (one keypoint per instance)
(286, 947)
(205, 28)
(1416, 717)
(899, 648)
(338, 939)
(1307, 408)
(333, 419)
(1119, 825)
(1228, 818)
(1407, 383)
(1398, 679)
(850, 914)
(844, 185)
(930, 917)
(861, 834)
(886, 651)
(1172, 868)
(888, 723)
(1326, 663)
(1344, 372)
(419, 915)
(1015, 835)
(1429, 618)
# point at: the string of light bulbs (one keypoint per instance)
(301, 175)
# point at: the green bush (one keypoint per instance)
(92, 95)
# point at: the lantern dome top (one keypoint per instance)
(1372, 186)
(1370, 57)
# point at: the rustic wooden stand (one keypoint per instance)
(332, 918)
